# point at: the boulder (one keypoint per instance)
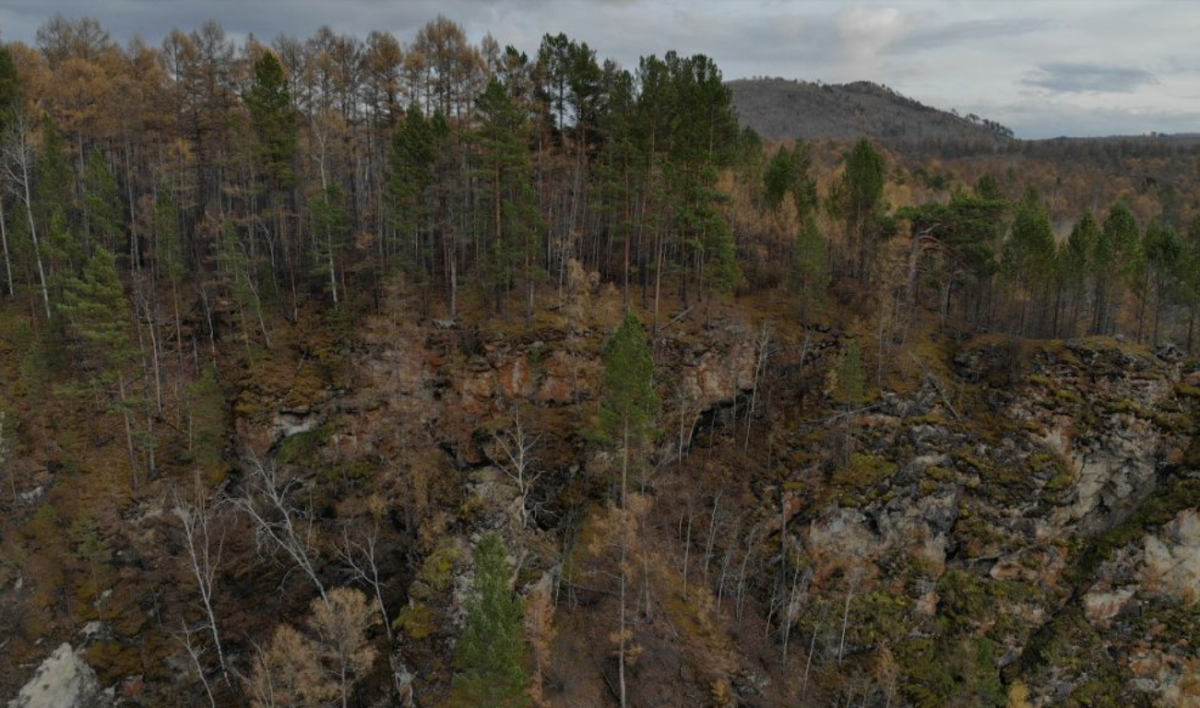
(63, 680)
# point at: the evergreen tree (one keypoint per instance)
(778, 178)
(1076, 263)
(850, 387)
(331, 226)
(720, 270)
(803, 188)
(412, 162)
(503, 138)
(102, 203)
(275, 121)
(857, 199)
(1029, 259)
(238, 277)
(988, 187)
(630, 408)
(65, 254)
(97, 312)
(170, 261)
(631, 404)
(1188, 272)
(1163, 249)
(492, 652)
(53, 177)
(11, 92)
(810, 267)
(1114, 258)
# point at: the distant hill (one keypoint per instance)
(782, 108)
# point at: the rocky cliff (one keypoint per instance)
(1010, 522)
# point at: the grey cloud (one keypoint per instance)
(1036, 120)
(919, 47)
(1071, 77)
(937, 36)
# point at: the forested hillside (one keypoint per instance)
(779, 108)
(409, 371)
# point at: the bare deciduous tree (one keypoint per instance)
(195, 652)
(764, 346)
(278, 521)
(204, 559)
(288, 673)
(18, 163)
(341, 622)
(517, 445)
(361, 558)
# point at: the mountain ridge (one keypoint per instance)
(790, 108)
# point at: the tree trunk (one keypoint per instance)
(7, 259)
(128, 431)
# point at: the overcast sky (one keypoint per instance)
(1043, 67)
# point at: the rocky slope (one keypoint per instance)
(1013, 522)
(778, 108)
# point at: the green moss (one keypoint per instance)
(302, 448)
(417, 622)
(940, 474)
(1128, 405)
(436, 572)
(968, 599)
(854, 481)
(878, 618)
(959, 672)
(929, 419)
(1068, 395)
(1162, 506)
(1069, 646)
(1187, 390)
(113, 660)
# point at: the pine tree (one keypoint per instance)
(721, 269)
(331, 226)
(512, 250)
(1029, 258)
(810, 268)
(416, 146)
(778, 178)
(1188, 272)
(630, 408)
(98, 315)
(492, 652)
(631, 404)
(857, 199)
(239, 278)
(850, 387)
(1076, 260)
(1163, 249)
(1114, 258)
(98, 312)
(169, 257)
(803, 188)
(274, 119)
(102, 202)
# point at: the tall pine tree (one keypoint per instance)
(492, 652)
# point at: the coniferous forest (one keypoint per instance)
(398, 371)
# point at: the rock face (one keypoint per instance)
(1172, 558)
(1003, 516)
(64, 680)
(1032, 516)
